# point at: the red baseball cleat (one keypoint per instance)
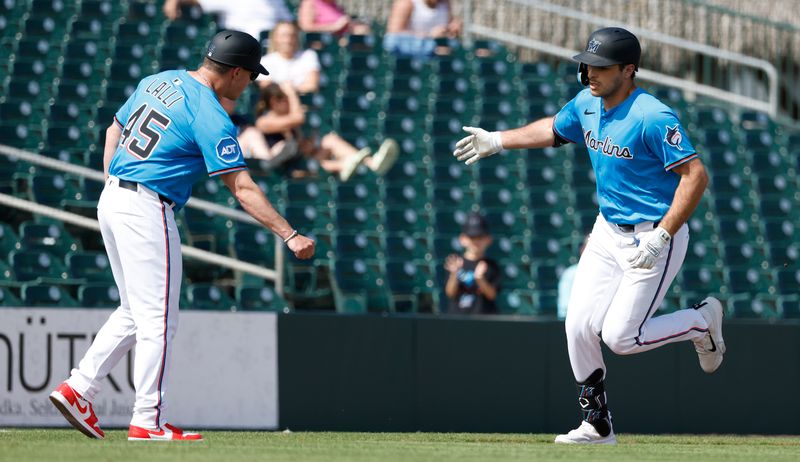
(76, 410)
(166, 433)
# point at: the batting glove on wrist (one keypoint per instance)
(477, 145)
(650, 248)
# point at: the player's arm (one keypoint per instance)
(481, 143)
(113, 134)
(693, 182)
(259, 207)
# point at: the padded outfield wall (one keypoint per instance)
(375, 373)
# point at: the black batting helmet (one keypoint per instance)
(606, 47)
(237, 49)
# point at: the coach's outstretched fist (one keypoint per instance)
(301, 246)
(477, 145)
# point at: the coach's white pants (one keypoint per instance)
(611, 300)
(144, 250)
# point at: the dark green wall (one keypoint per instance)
(378, 373)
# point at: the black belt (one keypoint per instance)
(134, 186)
(632, 228)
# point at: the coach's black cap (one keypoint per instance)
(237, 49)
(475, 225)
(609, 46)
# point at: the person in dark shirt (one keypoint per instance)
(474, 279)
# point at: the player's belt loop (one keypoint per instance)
(134, 186)
(631, 228)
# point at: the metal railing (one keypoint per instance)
(275, 275)
(690, 78)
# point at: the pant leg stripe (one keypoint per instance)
(655, 296)
(166, 314)
(698, 329)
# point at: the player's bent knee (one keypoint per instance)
(619, 343)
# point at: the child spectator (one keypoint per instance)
(474, 280)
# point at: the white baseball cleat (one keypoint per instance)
(711, 347)
(586, 434)
(166, 433)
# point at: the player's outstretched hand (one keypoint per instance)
(478, 144)
(650, 248)
(302, 247)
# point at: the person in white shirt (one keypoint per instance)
(414, 25)
(288, 63)
(251, 16)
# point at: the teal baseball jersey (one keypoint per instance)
(174, 130)
(633, 148)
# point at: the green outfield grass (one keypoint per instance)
(69, 445)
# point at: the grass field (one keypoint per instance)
(68, 445)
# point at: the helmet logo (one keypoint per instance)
(593, 46)
(674, 137)
(211, 49)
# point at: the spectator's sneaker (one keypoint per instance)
(711, 347)
(76, 410)
(352, 164)
(166, 433)
(384, 159)
(586, 434)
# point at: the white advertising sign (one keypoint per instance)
(224, 369)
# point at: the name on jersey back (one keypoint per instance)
(164, 92)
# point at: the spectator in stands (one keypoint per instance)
(565, 283)
(286, 62)
(251, 16)
(414, 25)
(253, 143)
(279, 118)
(474, 279)
(328, 16)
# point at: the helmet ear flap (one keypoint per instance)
(583, 74)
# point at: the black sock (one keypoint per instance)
(592, 400)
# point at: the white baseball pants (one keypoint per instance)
(612, 301)
(144, 251)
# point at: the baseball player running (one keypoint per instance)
(649, 181)
(169, 132)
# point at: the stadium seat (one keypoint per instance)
(789, 306)
(98, 295)
(359, 245)
(516, 301)
(516, 275)
(357, 218)
(411, 246)
(260, 298)
(411, 284)
(8, 239)
(46, 295)
(29, 265)
(360, 286)
(209, 297)
(91, 266)
(8, 298)
(788, 280)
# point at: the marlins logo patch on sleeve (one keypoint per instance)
(228, 149)
(674, 137)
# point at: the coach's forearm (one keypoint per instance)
(537, 134)
(255, 203)
(693, 182)
(113, 134)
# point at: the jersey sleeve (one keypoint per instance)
(567, 124)
(215, 135)
(665, 137)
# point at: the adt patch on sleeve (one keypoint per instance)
(228, 150)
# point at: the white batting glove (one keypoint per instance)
(650, 248)
(477, 145)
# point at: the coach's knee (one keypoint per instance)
(618, 341)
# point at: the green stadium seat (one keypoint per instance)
(454, 174)
(516, 301)
(33, 49)
(46, 295)
(412, 85)
(789, 306)
(704, 251)
(201, 296)
(516, 275)
(546, 249)
(412, 285)
(744, 306)
(447, 244)
(748, 279)
(8, 298)
(52, 189)
(93, 266)
(733, 230)
(145, 11)
(359, 245)
(260, 298)
(723, 160)
(358, 194)
(509, 198)
(787, 280)
(207, 230)
(175, 56)
(360, 286)
(255, 246)
(8, 239)
(49, 237)
(701, 279)
(136, 32)
(98, 295)
(744, 253)
(777, 183)
(29, 265)
(449, 222)
(43, 26)
(412, 246)
(546, 302)
(509, 248)
(452, 197)
(407, 219)
(405, 105)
